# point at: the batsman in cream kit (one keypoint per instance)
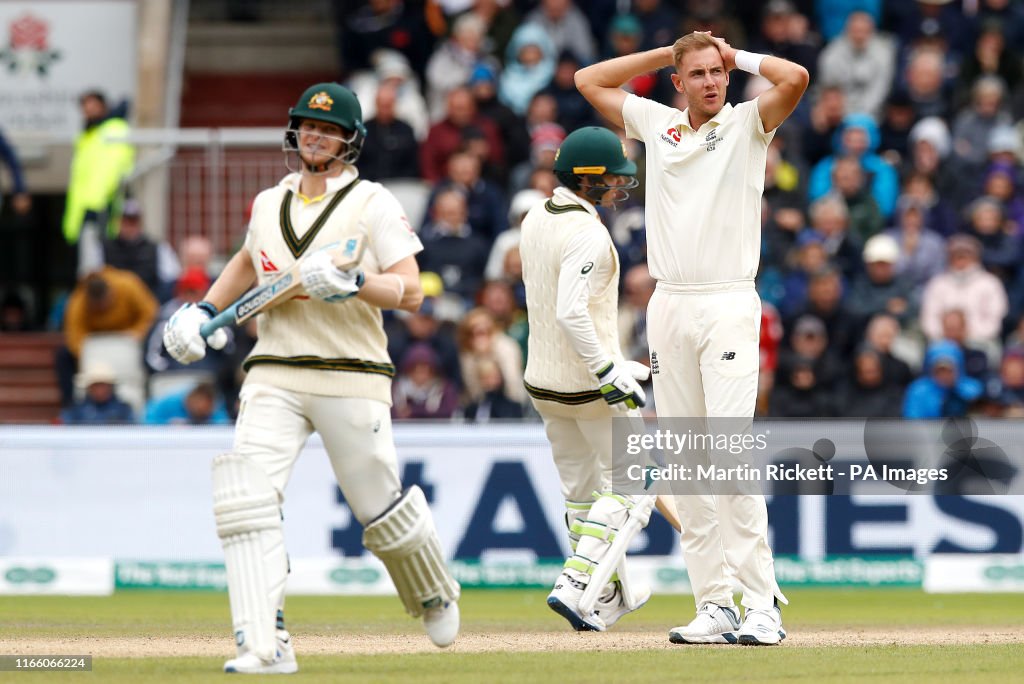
(320, 364)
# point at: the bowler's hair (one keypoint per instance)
(691, 42)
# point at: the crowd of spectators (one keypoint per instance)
(893, 219)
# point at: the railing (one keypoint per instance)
(212, 176)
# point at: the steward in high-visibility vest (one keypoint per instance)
(98, 167)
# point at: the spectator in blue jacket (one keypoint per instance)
(832, 14)
(944, 391)
(21, 201)
(100, 405)
(198, 405)
(858, 136)
(529, 67)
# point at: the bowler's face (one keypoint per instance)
(702, 78)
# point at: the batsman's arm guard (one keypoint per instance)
(404, 538)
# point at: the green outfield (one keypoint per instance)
(511, 636)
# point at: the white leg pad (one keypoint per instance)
(404, 538)
(604, 539)
(248, 515)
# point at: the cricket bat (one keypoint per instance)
(667, 508)
(344, 254)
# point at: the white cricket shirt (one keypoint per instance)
(308, 345)
(703, 191)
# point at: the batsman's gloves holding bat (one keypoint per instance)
(181, 333)
(323, 280)
(619, 384)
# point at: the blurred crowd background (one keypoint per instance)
(893, 216)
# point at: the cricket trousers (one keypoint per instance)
(705, 359)
(274, 424)
(581, 447)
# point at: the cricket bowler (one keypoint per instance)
(705, 177)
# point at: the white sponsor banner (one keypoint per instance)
(143, 493)
(959, 573)
(51, 51)
(66, 576)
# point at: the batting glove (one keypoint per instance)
(181, 334)
(619, 386)
(639, 371)
(322, 279)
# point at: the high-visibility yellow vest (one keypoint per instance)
(97, 169)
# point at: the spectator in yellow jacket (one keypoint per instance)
(105, 301)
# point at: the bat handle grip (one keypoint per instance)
(224, 318)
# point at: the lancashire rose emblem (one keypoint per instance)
(27, 46)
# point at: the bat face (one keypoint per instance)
(258, 298)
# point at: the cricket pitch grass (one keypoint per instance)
(884, 635)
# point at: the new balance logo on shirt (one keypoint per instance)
(728, 356)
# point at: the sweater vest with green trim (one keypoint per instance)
(308, 345)
(554, 371)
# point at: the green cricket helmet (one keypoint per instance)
(334, 104)
(594, 151)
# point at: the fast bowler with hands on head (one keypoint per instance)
(705, 176)
(575, 372)
(320, 363)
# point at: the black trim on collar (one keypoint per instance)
(296, 245)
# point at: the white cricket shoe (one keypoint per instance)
(762, 628)
(714, 624)
(564, 599)
(283, 662)
(442, 624)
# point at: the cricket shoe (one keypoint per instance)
(442, 623)
(283, 662)
(762, 627)
(564, 599)
(714, 624)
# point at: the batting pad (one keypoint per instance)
(248, 515)
(614, 521)
(404, 538)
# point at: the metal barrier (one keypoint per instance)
(212, 176)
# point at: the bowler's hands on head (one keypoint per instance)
(182, 338)
(727, 51)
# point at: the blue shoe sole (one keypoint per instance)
(575, 620)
